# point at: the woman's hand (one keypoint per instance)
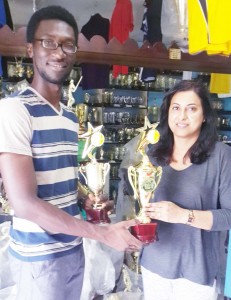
(89, 201)
(102, 201)
(166, 211)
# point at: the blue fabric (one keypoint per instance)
(228, 270)
(2, 22)
(2, 13)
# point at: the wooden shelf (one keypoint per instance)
(130, 54)
(223, 112)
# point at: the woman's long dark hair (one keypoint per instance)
(201, 149)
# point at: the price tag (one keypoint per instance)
(174, 53)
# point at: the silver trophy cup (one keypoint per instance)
(95, 174)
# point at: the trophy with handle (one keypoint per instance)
(144, 179)
(95, 174)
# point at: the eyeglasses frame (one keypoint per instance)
(57, 45)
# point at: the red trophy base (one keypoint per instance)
(146, 233)
(97, 216)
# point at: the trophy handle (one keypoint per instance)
(133, 180)
(158, 175)
(81, 171)
(106, 169)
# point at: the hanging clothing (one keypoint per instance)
(2, 13)
(144, 25)
(151, 26)
(209, 26)
(220, 83)
(95, 76)
(2, 22)
(120, 27)
(5, 19)
(154, 21)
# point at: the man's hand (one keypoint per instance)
(119, 237)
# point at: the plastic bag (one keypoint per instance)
(125, 296)
(102, 266)
(131, 288)
(7, 285)
(174, 23)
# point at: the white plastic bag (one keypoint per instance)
(174, 23)
(102, 267)
(7, 285)
(132, 288)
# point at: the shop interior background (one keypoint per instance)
(21, 11)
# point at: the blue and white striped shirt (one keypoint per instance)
(30, 125)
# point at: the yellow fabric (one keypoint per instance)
(212, 35)
(219, 14)
(196, 24)
(220, 83)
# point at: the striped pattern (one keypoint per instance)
(53, 143)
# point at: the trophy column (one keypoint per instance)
(95, 174)
(144, 179)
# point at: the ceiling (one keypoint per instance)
(21, 11)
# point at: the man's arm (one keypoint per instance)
(21, 188)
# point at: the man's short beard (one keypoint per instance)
(54, 80)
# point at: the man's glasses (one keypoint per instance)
(68, 48)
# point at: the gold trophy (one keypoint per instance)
(95, 173)
(144, 179)
(81, 111)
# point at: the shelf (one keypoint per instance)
(155, 56)
(124, 106)
(93, 104)
(130, 54)
(115, 142)
(223, 112)
(117, 161)
(223, 128)
(133, 88)
(122, 125)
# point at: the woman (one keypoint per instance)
(192, 202)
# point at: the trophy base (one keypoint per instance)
(97, 216)
(146, 232)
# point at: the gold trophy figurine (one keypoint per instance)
(95, 173)
(72, 89)
(144, 179)
(81, 111)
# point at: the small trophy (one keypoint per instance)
(95, 173)
(144, 179)
(81, 111)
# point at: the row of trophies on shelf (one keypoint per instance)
(155, 80)
(19, 70)
(111, 154)
(108, 98)
(123, 117)
(119, 135)
(224, 138)
(223, 122)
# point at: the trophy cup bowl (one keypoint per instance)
(144, 178)
(95, 174)
(145, 232)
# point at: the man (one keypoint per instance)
(38, 165)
